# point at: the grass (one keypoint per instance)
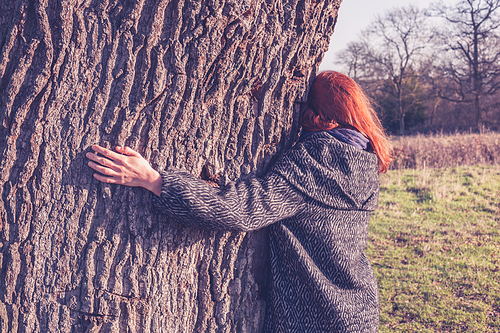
(434, 245)
(439, 150)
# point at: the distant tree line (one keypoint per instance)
(433, 68)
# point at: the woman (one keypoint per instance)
(316, 200)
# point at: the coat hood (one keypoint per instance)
(332, 172)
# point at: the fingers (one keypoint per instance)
(127, 151)
(108, 175)
(102, 161)
(112, 155)
(102, 169)
(106, 152)
(101, 178)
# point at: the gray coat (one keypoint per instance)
(317, 201)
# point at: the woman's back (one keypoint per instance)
(321, 278)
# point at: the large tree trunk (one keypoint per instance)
(210, 86)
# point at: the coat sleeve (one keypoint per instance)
(242, 206)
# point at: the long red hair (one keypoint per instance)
(337, 101)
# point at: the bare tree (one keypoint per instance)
(210, 86)
(352, 58)
(389, 51)
(469, 67)
(394, 44)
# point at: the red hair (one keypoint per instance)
(337, 101)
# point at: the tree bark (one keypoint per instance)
(210, 86)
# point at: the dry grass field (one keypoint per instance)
(440, 150)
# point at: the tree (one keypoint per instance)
(395, 42)
(390, 51)
(353, 58)
(210, 86)
(470, 66)
(413, 97)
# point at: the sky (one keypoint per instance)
(356, 15)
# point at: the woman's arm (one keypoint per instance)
(246, 205)
(243, 206)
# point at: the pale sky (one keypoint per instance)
(354, 16)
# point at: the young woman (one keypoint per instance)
(316, 200)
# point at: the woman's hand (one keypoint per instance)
(126, 168)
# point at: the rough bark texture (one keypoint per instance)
(210, 86)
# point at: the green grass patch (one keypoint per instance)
(434, 243)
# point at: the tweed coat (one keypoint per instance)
(317, 201)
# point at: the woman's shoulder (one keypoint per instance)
(322, 166)
(342, 135)
(326, 147)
